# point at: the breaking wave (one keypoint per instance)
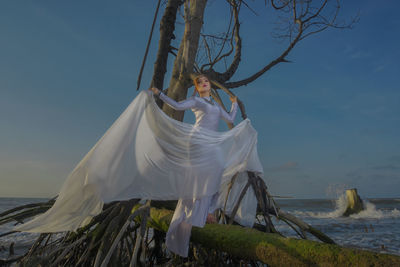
(370, 211)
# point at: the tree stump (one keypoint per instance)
(354, 202)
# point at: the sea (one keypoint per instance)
(377, 228)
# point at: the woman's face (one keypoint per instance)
(203, 85)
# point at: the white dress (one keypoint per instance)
(146, 154)
(194, 211)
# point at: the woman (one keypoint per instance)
(147, 155)
(207, 112)
(196, 211)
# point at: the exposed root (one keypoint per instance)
(122, 236)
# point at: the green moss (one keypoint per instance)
(160, 219)
(273, 249)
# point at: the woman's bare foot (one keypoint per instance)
(211, 218)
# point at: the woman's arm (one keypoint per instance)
(182, 105)
(229, 117)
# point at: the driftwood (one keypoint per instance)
(273, 249)
(117, 236)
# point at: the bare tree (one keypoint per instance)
(117, 237)
(297, 20)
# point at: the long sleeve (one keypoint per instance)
(229, 117)
(182, 105)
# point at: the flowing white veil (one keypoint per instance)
(146, 154)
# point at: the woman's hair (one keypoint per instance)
(195, 80)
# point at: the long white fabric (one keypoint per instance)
(146, 154)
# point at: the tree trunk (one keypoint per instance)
(167, 27)
(354, 202)
(273, 249)
(184, 61)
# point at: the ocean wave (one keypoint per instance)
(370, 211)
(385, 201)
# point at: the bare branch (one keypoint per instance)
(306, 19)
(285, 4)
(207, 49)
(216, 37)
(227, 75)
(252, 10)
(148, 45)
(294, 11)
(323, 23)
(218, 57)
(276, 61)
(317, 13)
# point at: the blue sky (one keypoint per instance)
(327, 121)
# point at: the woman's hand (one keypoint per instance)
(233, 99)
(155, 90)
